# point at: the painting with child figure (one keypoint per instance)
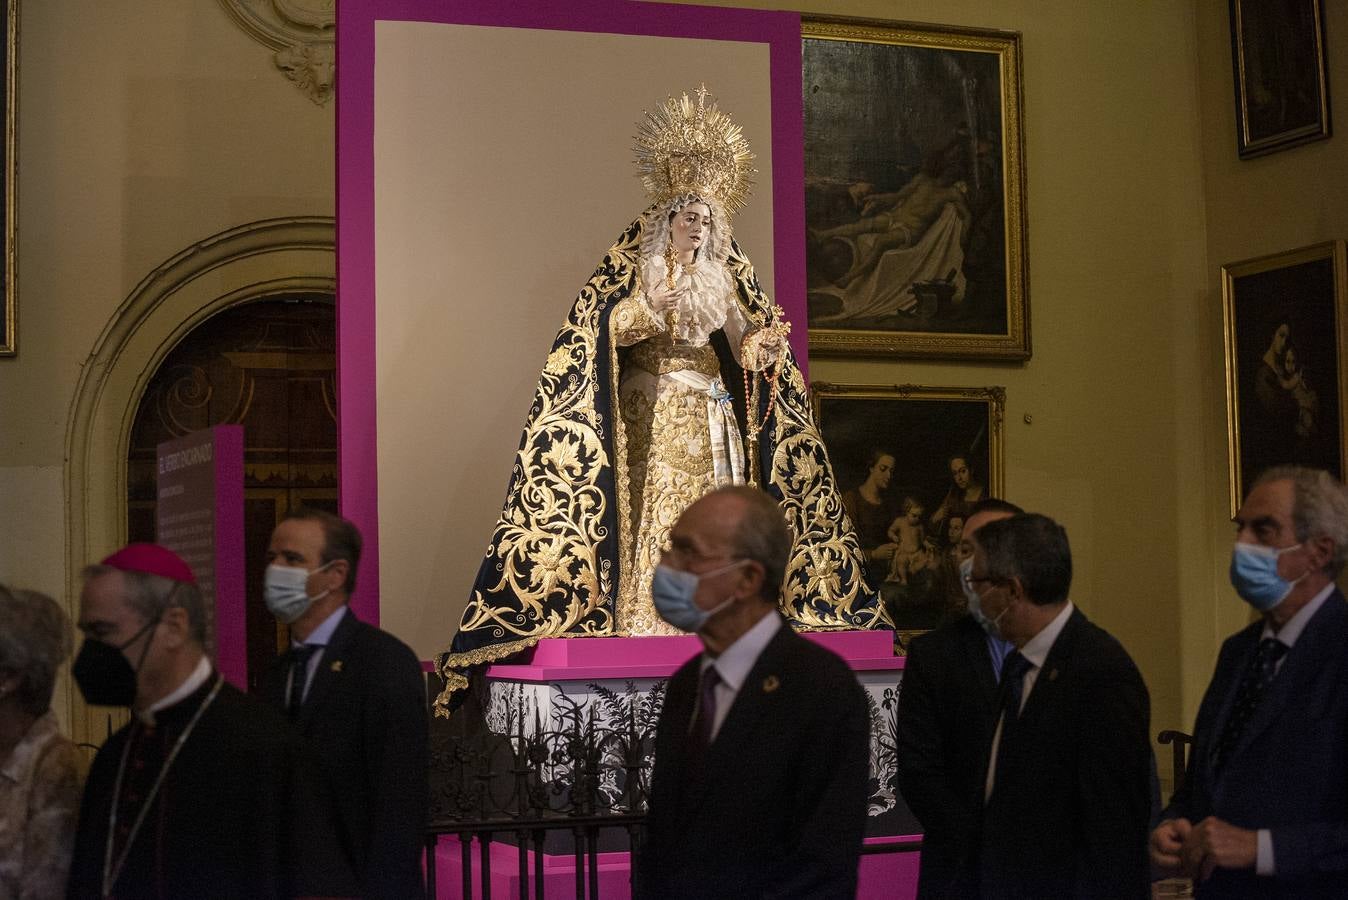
(1285, 362)
(914, 190)
(912, 461)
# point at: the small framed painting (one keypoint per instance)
(1278, 53)
(1285, 362)
(911, 462)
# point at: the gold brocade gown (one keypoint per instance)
(675, 450)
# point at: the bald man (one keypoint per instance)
(762, 750)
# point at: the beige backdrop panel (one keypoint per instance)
(503, 171)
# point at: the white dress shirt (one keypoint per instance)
(1035, 652)
(319, 637)
(734, 664)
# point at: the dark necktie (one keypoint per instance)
(706, 709)
(1252, 687)
(1013, 689)
(299, 674)
(1013, 685)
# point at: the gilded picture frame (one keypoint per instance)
(915, 191)
(9, 315)
(1286, 337)
(1278, 58)
(924, 455)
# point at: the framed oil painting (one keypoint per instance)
(1285, 362)
(914, 191)
(8, 304)
(1282, 95)
(911, 461)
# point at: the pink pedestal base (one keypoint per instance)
(561, 664)
(883, 876)
(579, 659)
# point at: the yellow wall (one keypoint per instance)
(143, 127)
(1252, 207)
(147, 126)
(1101, 423)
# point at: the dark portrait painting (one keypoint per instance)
(1278, 53)
(911, 461)
(913, 191)
(1285, 358)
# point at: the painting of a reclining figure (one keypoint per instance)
(914, 191)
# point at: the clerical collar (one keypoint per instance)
(179, 694)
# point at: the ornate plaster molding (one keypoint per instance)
(301, 32)
(249, 262)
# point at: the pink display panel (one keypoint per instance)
(356, 113)
(199, 511)
(578, 659)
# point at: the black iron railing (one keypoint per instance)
(577, 787)
(557, 790)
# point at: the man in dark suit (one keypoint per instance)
(761, 752)
(1067, 800)
(947, 710)
(1263, 811)
(357, 694)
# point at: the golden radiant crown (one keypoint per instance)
(693, 148)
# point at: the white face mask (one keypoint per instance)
(284, 590)
(992, 624)
(672, 592)
(971, 600)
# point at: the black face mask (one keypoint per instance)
(104, 674)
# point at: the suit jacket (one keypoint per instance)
(366, 717)
(778, 806)
(1070, 809)
(1289, 772)
(239, 813)
(947, 712)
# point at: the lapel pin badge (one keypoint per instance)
(771, 683)
(1052, 674)
(336, 665)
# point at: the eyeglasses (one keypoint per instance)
(686, 554)
(971, 580)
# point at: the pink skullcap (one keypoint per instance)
(153, 560)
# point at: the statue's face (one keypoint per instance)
(691, 227)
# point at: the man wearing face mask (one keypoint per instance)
(947, 710)
(761, 752)
(357, 694)
(1263, 810)
(1067, 800)
(206, 792)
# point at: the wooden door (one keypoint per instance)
(269, 366)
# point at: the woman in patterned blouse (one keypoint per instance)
(40, 770)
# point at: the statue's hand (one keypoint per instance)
(662, 297)
(762, 347)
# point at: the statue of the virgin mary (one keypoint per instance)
(671, 376)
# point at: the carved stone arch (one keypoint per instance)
(246, 263)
